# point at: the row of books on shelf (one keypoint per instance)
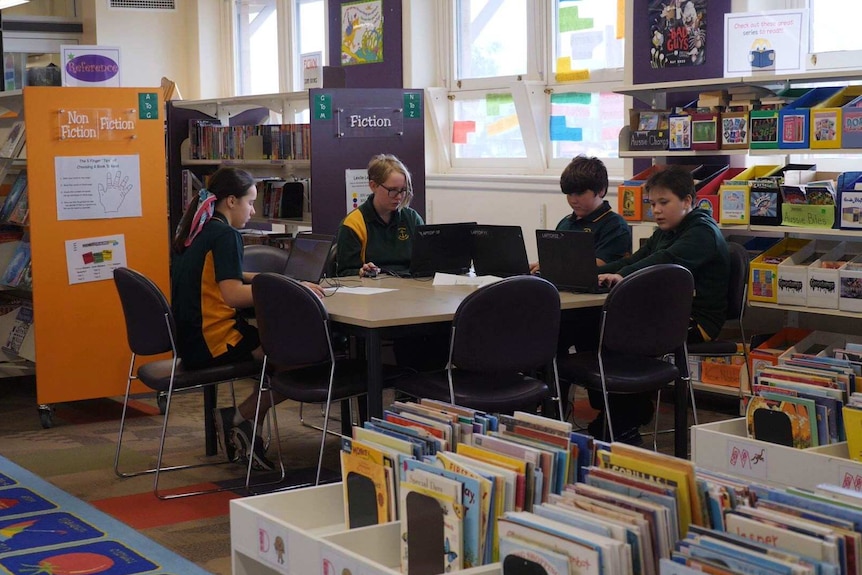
(744, 117)
(470, 488)
(16, 205)
(209, 140)
(279, 198)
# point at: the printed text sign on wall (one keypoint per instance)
(370, 122)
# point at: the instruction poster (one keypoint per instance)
(98, 187)
(774, 42)
(94, 259)
(356, 184)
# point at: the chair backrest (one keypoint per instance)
(292, 322)
(508, 326)
(259, 258)
(737, 287)
(145, 309)
(648, 312)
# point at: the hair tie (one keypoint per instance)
(204, 211)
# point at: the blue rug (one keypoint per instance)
(44, 530)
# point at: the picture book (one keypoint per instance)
(543, 459)
(853, 430)
(521, 556)
(11, 146)
(615, 482)
(474, 527)
(366, 490)
(15, 193)
(487, 502)
(15, 270)
(431, 531)
(625, 525)
(23, 324)
(780, 421)
(21, 212)
(512, 464)
(649, 470)
(589, 554)
(683, 466)
(781, 537)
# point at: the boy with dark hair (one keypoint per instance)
(687, 236)
(585, 183)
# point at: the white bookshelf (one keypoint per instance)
(310, 524)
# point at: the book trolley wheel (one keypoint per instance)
(46, 416)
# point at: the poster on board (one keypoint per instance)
(677, 33)
(97, 187)
(362, 32)
(95, 259)
(775, 41)
(356, 184)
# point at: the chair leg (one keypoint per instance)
(312, 426)
(263, 387)
(123, 421)
(655, 421)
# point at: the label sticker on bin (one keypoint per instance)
(850, 478)
(272, 544)
(335, 563)
(747, 459)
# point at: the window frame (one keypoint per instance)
(531, 94)
(287, 27)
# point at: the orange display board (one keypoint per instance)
(81, 346)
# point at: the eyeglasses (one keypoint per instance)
(395, 192)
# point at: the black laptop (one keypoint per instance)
(441, 248)
(499, 251)
(567, 259)
(308, 258)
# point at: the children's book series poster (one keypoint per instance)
(677, 33)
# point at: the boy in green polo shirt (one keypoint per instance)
(687, 236)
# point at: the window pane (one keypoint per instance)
(487, 127)
(831, 34)
(586, 123)
(309, 29)
(257, 47)
(491, 38)
(587, 35)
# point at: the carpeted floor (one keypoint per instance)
(77, 455)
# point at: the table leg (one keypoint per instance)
(375, 373)
(680, 409)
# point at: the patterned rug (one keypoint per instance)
(45, 530)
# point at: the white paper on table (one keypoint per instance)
(441, 279)
(357, 290)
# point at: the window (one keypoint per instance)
(493, 38)
(309, 25)
(257, 47)
(506, 111)
(267, 55)
(486, 126)
(833, 40)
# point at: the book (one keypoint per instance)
(366, 488)
(431, 530)
(13, 196)
(14, 271)
(21, 212)
(520, 556)
(23, 323)
(11, 146)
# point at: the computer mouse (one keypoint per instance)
(371, 273)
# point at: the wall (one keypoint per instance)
(154, 43)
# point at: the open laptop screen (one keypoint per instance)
(441, 248)
(567, 259)
(308, 257)
(499, 251)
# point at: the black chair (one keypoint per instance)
(258, 258)
(299, 362)
(150, 330)
(501, 333)
(737, 297)
(644, 318)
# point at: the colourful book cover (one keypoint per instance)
(522, 556)
(431, 531)
(366, 490)
(487, 498)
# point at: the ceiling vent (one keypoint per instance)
(143, 4)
